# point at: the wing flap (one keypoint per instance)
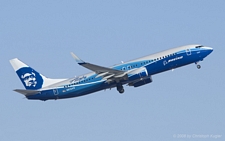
(102, 74)
(100, 69)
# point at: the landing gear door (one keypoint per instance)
(188, 51)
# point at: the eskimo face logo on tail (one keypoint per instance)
(30, 78)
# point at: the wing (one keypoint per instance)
(106, 73)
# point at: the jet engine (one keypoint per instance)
(137, 74)
(141, 82)
(139, 77)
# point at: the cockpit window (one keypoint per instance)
(199, 46)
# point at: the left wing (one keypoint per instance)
(106, 73)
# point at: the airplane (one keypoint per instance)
(134, 73)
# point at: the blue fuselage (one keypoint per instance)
(90, 83)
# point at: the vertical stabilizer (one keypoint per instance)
(31, 79)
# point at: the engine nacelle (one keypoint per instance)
(139, 77)
(142, 82)
(138, 74)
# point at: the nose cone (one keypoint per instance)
(208, 49)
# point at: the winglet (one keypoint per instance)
(78, 60)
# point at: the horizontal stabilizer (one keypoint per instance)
(27, 92)
(109, 76)
(31, 79)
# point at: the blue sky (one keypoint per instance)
(43, 33)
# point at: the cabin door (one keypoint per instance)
(188, 51)
(55, 92)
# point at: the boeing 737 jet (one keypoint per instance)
(134, 73)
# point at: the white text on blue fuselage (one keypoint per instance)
(174, 59)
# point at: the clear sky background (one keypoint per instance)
(43, 33)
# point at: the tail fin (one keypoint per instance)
(31, 79)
